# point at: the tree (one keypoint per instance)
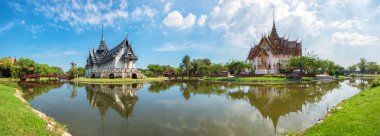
(217, 68)
(27, 66)
(372, 67)
(236, 67)
(156, 69)
(352, 67)
(362, 65)
(185, 65)
(57, 70)
(81, 71)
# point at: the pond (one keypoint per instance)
(188, 108)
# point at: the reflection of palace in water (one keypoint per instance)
(272, 101)
(121, 98)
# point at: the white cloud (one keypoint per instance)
(144, 11)
(170, 47)
(8, 26)
(243, 20)
(354, 39)
(167, 7)
(348, 24)
(175, 19)
(36, 30)
(202, 20)
(83, 15)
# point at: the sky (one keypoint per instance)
(57, 32)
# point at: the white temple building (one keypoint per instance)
(267, 56)
(118, 62)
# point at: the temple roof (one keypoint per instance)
(276, 44)
(103, 54)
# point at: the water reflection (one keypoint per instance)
(32, 90)
(273, 101)
(195, 108)
(121, 98)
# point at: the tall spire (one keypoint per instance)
(102, 45)
(102, 30)
(274, 26)
(274, 31)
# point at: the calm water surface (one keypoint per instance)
(190, 108)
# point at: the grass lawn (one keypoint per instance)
(16, 118)
(359, 115)
(245, 79)
(117, 80)
(9, 79)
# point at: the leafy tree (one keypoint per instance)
(217, 68)
(81, 71)
(185, 65)
(372, 67)
(27, 66)
(236, 67)
(156, 69)
(352, 67)
(362, 65)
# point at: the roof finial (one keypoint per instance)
(102, 28)
(273, 17)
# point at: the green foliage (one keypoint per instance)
(366, 67)
(375, 83)
(311, 64)
(76, 72)
(372, 67)
(24, 66)
(362, 65)
(217, 68)
(237, 66)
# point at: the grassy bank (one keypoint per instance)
(359, 115)
(117, 80)
(17, 118)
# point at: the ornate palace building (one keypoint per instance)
(118, 62)
(267, 55)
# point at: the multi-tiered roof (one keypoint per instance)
(103, 54)
(276, 44)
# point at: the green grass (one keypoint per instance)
(16, 118)
(117, 80)
(359, 115)
(245, 79)
(308, 78)
(9, 79)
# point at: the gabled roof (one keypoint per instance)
(100, 56)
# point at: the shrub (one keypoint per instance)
(375, 83)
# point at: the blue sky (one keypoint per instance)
(163, 31)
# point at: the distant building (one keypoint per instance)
(118, 62)
(267, 55)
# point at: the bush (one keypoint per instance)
(375, 83)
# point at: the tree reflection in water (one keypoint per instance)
(32, 89)
(272, 101)
(121, 98)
